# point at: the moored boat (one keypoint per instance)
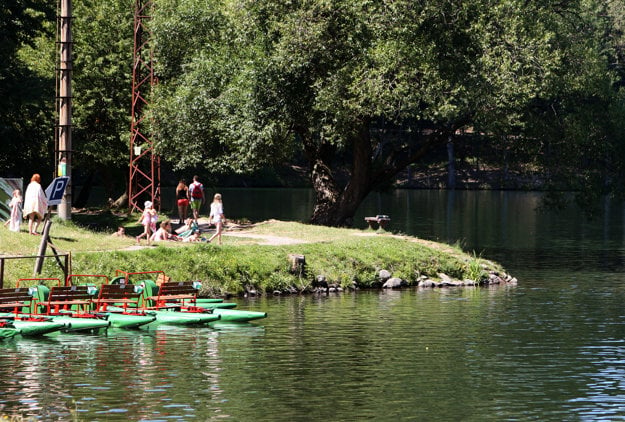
(232, 315)
(182, 318)
(76, 323)
(129, 320)
(183, 293)
(211, 305)
(68, 305)
(173, 317)
(238, 315)
(20, 301)
(34, 326)
(8, 330)
(115, 300)
(124, 297)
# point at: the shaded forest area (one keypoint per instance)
(346, 97)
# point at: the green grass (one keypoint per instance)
(344, 256)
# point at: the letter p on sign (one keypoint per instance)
(55, 191)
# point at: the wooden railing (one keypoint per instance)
(65, 268)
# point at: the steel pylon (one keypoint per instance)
(145, 166)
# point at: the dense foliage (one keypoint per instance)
(255, 82)
(26, 107)
(101, 82)
(103, 32)
(360, 90)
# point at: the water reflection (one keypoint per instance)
(125, 372)
(604, 395)
(500, 352)
(550, 349)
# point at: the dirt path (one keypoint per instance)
(243, 231)
(263, 239)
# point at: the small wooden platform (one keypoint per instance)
(378, 220)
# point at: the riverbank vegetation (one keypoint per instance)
(253, 258)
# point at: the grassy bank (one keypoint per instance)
(253, 257)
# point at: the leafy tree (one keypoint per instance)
(256, 81)
(101, 83)
(577, 126)
(26, 94)
(102, 80)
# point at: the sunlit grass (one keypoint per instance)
(344, 256)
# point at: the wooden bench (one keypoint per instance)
(123, 294)
(16, 299)
(178, 291)
(382, 220)
(63, 298)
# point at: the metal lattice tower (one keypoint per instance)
(145, 166)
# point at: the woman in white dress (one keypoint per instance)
(15, 205)
(217, 217)
(35, 204)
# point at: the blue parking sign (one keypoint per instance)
(55, 191)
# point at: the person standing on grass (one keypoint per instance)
(217, 217)
(196, 195)
(182, 200)
(15, 219)
(148, 220)
(35, 204)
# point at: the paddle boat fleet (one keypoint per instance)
(50, 306)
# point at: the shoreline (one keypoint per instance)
(257, 259)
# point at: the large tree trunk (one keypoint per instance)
(451, 164)
(336, 206)
(322, 178)
(120, 202)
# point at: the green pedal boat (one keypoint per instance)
(8, 330)
(80, 323)
(21, 303)
(172, 316)
(164, 316)
(164, 295)
(236, 315)
(119, 303)
(210, 305)
(231, 315)
(32, 326)
(121, 300)
(126, 319)
(71, 305)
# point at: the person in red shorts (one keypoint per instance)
(182, 199)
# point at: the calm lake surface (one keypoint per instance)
(550, 349)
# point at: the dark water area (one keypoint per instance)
(551, 348)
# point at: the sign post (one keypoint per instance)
(56, 189)
(54, 193)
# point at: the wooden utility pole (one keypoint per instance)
(64, 97)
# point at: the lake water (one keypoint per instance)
(550, 349)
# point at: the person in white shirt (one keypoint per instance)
(217, 217)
